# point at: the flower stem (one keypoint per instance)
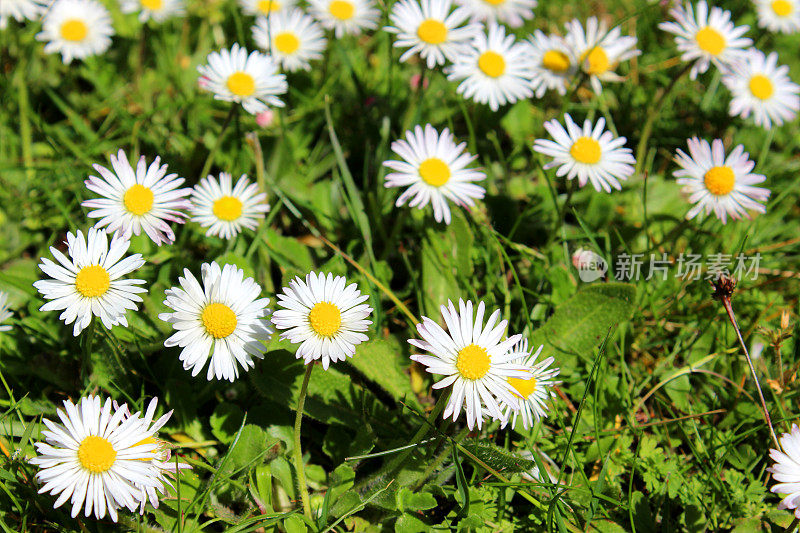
(88, 340)
(213, 152)
(299, 467)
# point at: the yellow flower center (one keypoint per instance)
(473, 362)
(138, 200)
(341, 9)
(782, 8)
(92, 281)
(494, 2)
(432, 31)
(761, 87)
(325, 319)
(153, 5)
(287, 42)
(241, 84)
(586, 150)
(268, 6)
(228, 208)
(719, 180)
(74, 30)
(555, 60)
(219, 320)
(710, 40)
(492, 64)
(96, 454)
(595, 61)
(524, 387)
(434, 172)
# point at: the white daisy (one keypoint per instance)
(434, 168)
(345, 16)
(76, 29)
(599, 50)
(761, 87)
(786, 470)
(89, 282)
(495, 69)
(554, 64)
(5, 314)
(431, 30)
(19, 10)
(134, 200)
(164, 467)
(591, 153)
(158, 10)
(473, 358)
(532, 393)
(326, 317)
(224, 208)
(97, 458)
(266, 7)
(223, 319)
(513, 13)
(252, 80)
(291, 37)
(706, 37)
(779, 15)
(714, 182)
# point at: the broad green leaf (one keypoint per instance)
(379, 360)
(581, 323)
(225, 421)
(498, 458)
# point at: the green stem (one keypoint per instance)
(302, 486)
(420, 434)
(647, 129)
(213, 152)
(88, 340)
(24, 122)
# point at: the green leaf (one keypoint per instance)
(498, 458)
(231, 258)
(332, 396)
(379, 361)
(445, 258)
(414, 501)
(294, 524)
(225, 421)
(251, 446)
(581, 323)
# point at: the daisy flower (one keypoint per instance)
(599, 50)
(266, 7)
(779, 15)
(251, 80)
(164, 467)
(291, 37)
(223, 319)
(326, 317)
(158, 10)
(345, 16)
(761, 87)
(705, 37)
(224, 208)
(532, 393)
(89, 282)
(431, 30)
(134, 200)
(434, 168)
(76, 29)
(714, 182)
(97, 458)
(19, 10)
(786, 470)
(591, 153)
(474, 359)
(513, 13)
(5, 314)
(554, 65)
(494, 69)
